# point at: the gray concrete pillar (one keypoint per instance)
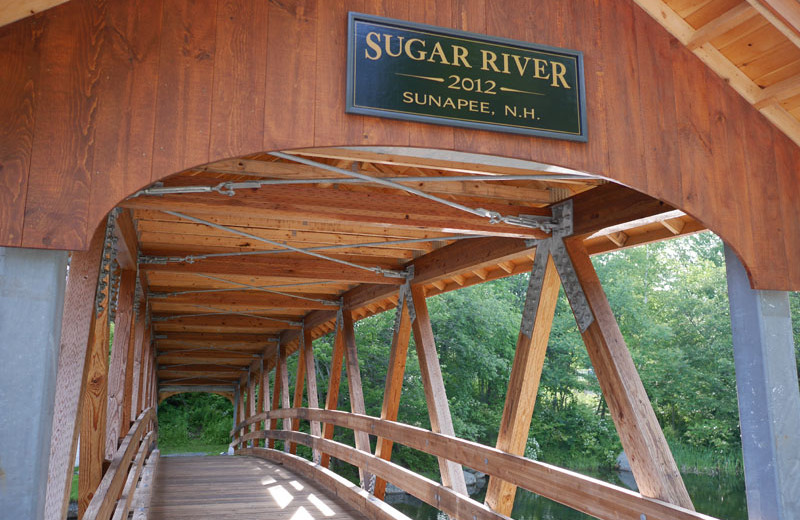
(32, 286)
(769, 398)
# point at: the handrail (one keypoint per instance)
(586, 494)
(139, 440)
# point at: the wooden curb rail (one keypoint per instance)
(585, 494)
(138, 440)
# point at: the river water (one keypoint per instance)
(720, 496)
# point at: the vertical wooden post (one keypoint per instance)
(235, 403)
(141, 337)
(137, 330)
(356, 391)
(435, 395)
(277, 391)
(653, 467)
(285, 403)
(311, 387)
(299, 384)
(79, 312)
(523, 385)
(332, 400)
(263, 394)
(144, 363)
(242, 403)
(398, 355)
(93, 409)
(251, 398)
(119, 362)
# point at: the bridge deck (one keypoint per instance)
(200, 487)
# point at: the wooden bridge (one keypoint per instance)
(193, 172)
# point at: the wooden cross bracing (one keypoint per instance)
(216, 302)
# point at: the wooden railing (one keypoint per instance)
(114, 497)
(585, 494)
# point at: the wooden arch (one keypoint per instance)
(101, 99)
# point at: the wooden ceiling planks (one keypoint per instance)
(753, 44)
(214, 313)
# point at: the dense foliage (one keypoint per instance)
(671, 303)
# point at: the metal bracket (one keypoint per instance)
(412, 311)
(572, 286)
(109, 251)
(563, 219)
(113, 293)
(371, 484)
(340, 316)
(535, 284)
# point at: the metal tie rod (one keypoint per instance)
(179, 316)
(229, 187)
(194, 258)
(262, 289)
(229, 289)
(493, 216)
(378, 270)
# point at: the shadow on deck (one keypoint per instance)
(240, 487)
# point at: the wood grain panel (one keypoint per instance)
(440, 14)
(237, 117)
(658, 124)
(331, 124)
(185, 79)
(61, 161)
(122, 154)
(291, 89)
(649, 122)
(18, 46)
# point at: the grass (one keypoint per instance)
(704, 461)
(208, 449)
(73, 492)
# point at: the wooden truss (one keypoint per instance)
(217, 279)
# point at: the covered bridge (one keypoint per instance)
(229, 180)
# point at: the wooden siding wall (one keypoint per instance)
(100, 98)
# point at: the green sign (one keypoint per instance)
(409, 71)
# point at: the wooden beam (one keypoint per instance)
(141, 331)
(435, 395)
(332, 400)
(299, 384)
(242, 300)
(295, 266)
(276, 394)
(653, 467)
(284, 381)
(612, 204)
(263, 394)
(221, 324)
(356, 391)
(783, 14)
(127, 253)
(523, 385)
(398, 355)
(94, 407)
(585, 494)
(137, 331)
(311, 386)
(722, 24)
(251, 396)
(13, 10)
(77, 318)
(119, 363)
(325, 205)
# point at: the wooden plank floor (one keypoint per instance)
(241, 488)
